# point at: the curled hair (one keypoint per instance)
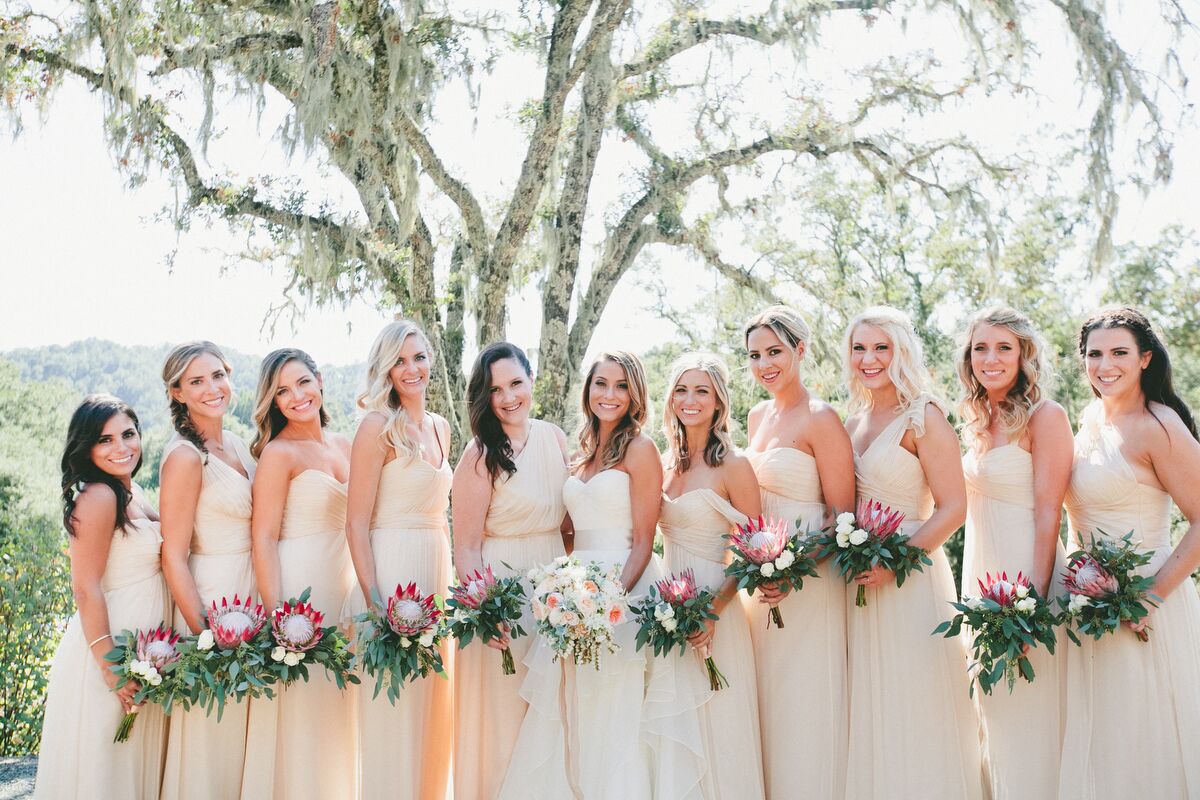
(720, 440)
(175, 365)
(78, 468)
(784, 321)
(268, 419)
(630, 425)
(379, 394)
(1017, 407)
(907, 369)
(489, 435)
(1156, 381)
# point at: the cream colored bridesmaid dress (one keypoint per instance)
(1132, 708)
(404, 750)
(302, 744)
(1021, 732)
(204, 757)
(803, 664)
(522, 529)
(694, 526)
(78, 758)
(913, 729)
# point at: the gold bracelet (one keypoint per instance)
(100, 639)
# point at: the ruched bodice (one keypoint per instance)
(1105, 498)
(890, 474)
(790, 486)
(698, 521)
(600, 510)
(133, 556)
(316, 503)
(1003, 473)
(529, 501)
(413, 494)
(222, 524)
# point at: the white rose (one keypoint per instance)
(843, 528)
(278, 653)
(858, 537)
(669, 624)
(1026, 605)
(300, 656)
(137, 667)
(426, 639)
(151, 673)
(767, 569)
(1022, 591)
(556, 616)
(785, 560)
(205, 640)
(845, 518)
(664, 611)
(973, 603)
(155, 679)
(405, 641)
(843, 539)
(291, 659)
(1077, 603)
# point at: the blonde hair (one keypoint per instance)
(268, 419)
(379, 394)
(907, 369)
(1016, 409)
(784, 321)
(177, 361)
(630, 425)
(720, 440)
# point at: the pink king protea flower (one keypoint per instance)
(232, 624)
(157, 647)
(877, 519)
(409, 613)
(678, 589)
(476, 590)
(761, 540)
(1000, 589)
(297, 628)
(1085, 576)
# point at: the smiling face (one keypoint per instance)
(608, 392)
(995, 357)
(510, 391)
(1114, 365)
(119, 447)
(693, 399)
(772, 362)
(298, 392)
(410, 375)
(870, 356)
(204, 387)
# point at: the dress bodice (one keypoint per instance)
(316, 503)
(1105, 497)
(530, 501)
(887, 472)
(413, 495)
(1003, 473)
(600, 510)
(698, 521)
(222, 524)
(134, 555)
(790, 486)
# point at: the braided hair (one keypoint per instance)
(175, 365)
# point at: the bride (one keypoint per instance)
(629, 729)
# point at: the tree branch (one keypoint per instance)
(702, 245)
(183, 58)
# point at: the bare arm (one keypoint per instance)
(367, 458)
(742, 487)
(1053, 449)
(1175, 456)
(270, 489)
(181, 479)
(470, 496)
(567, 527)
(835, 460)
(645, 499)
(941, 459)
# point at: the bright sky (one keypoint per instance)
(82, 254)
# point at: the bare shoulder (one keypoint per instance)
(96, 499)
(341, 443)
(823, 415)
(278, 456)
(183, 460)
(372, 422)
(1049, 418)
(559, 436)
(1165, 428)
(642, 450)
(757, 411)
(471, 460)
(441, 425)
(737, 463)
(937, 426)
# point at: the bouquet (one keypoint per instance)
(148, 657)
(767, 552)
(297, 639)
(674, 609)
(1007, 617)
(576, 607)
(222, 661)
(483, 607)
(1104, 589)
(402, 644)
(867, 539)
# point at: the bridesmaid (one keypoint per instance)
(913, 731)
(802, 458)
(204, 497)
(1017, 466)
(118, 585)
(396, 528)
(301, 744)
(507, 512)
(708, 488)
(1133, 708)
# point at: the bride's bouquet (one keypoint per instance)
(1104, 589)
(576, 607)
(484, 606)
(766, 551)
(298, 639)
(148, 657)
(402, 644)
(867, 539)
(675, 609)
(223, 661)
(1006, 617)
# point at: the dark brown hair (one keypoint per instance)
(493, 441)
(78, 468)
